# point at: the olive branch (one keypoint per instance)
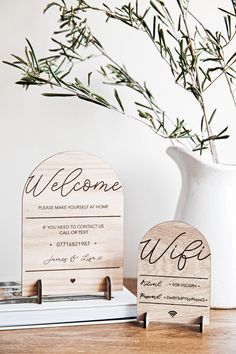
(196, 56)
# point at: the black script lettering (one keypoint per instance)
(182, 257)
(52, 260)
(150, 297)
(186, 253)
(70, 184)
(150, 283)
(33, 189)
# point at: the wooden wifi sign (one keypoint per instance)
(174, 275)
(72, 226)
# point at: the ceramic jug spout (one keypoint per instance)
(186, 160)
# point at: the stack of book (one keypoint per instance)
(19, 312)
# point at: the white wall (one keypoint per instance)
(33, 127)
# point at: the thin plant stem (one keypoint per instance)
(201, 101)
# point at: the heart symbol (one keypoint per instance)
(72, 280)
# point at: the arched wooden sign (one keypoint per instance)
(174, 275)
(72, 226)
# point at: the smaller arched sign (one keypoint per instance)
(72, 226)
(174, 275)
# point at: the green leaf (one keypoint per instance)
(89, 78)
(101, 99)
(227, 12)
(57, 79)
(210, 34)
(103, 72)
(180, 5)
(231, 58)
(106, 6)
(19, 59)
(27, 83)
(118, 100)
(222, 137)
(147, 91)
(153, 5)
(12, 64)
(144, 14)
(179, 23)
(50, 94)
(93, 100)
(227, 20)
(222, 132)
(211, 59)
(32, 53)
(66, 73)
(61, 31)
(212, 116)
(154, 28)
(202, 123)
(143, 105)
(50, 5)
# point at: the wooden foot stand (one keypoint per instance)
(39, 291)
(201, 324)
(146, 321)
(107, 292)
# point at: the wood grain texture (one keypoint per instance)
(219, 337)
(72, 226)
(174, 274)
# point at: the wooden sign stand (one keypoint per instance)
(107, 292)
(72, 228)
(72, 247)
(174, 276)
(146, 322)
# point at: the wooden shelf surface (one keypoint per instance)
(219, 337)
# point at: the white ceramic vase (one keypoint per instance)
(208, 201)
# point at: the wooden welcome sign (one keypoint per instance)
(174, 275)
(72, 226)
